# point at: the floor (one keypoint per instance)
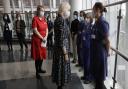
(17, 69)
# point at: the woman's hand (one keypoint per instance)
(45, 38)
(66, 57)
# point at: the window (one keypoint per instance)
(27, 3)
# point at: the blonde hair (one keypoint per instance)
(64, 6)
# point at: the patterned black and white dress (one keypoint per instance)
(61, 72)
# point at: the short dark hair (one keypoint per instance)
(8, 19)
(83, 13)
(99, 5)
(75, 13)
(18, 15)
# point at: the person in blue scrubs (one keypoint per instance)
(100, 45)
(86, 38)
(79, 39)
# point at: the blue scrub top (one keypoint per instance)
(99, 52)
(86, 35)
(79, 34)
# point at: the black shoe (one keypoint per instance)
(21, 49)
(77, 65)
(9, 49)
(38, 76)
(59, 87)
(87, 81)
(42, 71)
(26, 48)
(74, 61)
(104, 87)
(82, 78)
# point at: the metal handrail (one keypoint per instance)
(112, 4)
(119, 53)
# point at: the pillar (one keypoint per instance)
(22, 6)
(6, 5)
(13, 6)
(54, 4)
(31, 7)
(50, 8)
(41, 2)
(76, 5)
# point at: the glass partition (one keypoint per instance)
(122, 65)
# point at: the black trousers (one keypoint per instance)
(38, 65)
(8, 38)
(9, 43)
(22, 40)
(100, 84)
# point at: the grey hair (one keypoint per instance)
(64, 6)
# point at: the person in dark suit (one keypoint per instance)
(74, 30)
(50, 36)
(7, 31)
(20, 30)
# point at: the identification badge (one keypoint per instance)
(84, 38)
(7, 28)
(93, 36)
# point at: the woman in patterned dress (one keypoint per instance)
(61, 72)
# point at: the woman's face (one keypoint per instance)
(96, 12)
(81, 14)
(67, 13)
(41, 12)
(5, 17)
(88, 20)
(18, 17)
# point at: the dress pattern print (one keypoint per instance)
(61, 72)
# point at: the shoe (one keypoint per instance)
(21, 49)
(104, 87)
(81, 69)
(82, 78)
(59, 87)
(42, 71)
(11, 48)
(26, 48)
(87, 81)
(74, 61)
(77, 65)
(38, 76)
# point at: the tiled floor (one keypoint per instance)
(44, 83)
(18, 66)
